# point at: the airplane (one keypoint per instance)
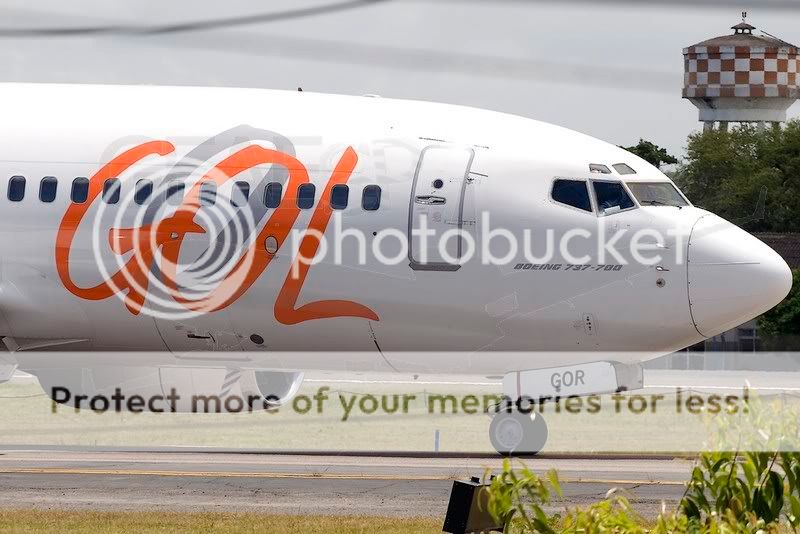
(162, 237)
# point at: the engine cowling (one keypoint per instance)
(273, 387)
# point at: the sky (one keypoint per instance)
(611, 70)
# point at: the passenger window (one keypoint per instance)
(208, 193)
(16, 188)
(272, 195)
(144, 188)
(80, 190)
(47, 189)
(241, 193)
(305, 196)
(623, 168)
(339, 196)
(111, 188)
(175, 193)
(371, 198)
(611, 196)
(572, 193)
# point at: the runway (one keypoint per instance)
(300, 484)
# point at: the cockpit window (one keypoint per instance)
(572, 193)
(623, 168)
(657, 194)
(599, 168)
(611, 196)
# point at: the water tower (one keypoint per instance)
(741, 77)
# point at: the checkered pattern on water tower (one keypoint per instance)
(741, 71)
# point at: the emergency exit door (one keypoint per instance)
(437, 203)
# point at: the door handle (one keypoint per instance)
(430, 199)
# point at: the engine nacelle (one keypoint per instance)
(273, 387)
(169, 389)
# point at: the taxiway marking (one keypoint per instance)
(329, 476)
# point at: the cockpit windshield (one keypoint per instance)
(656, 194)
(611, 197)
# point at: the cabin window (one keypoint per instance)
(111, 189)
(16, 188)
(144, 188)
(175, 193)
(47, 189)
(272, 195)
(572, 193)
(371, 198)
(305, 196)
(80, 190)
(339, 196)
(240, 194)
(611, 196)
(623, 168)
(208, 193)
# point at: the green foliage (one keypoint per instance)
(756, 492)
(726, 172)
(523, 493)
(745, 490)
(614, 514)
(784, 319)
(651, 153)
(765, 424)
(518, 497)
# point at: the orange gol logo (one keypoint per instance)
(166, 237)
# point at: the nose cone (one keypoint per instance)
(733, 276)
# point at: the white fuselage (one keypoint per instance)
(490, 163)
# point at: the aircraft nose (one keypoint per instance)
(733, 277)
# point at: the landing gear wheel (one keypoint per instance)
(518, 433)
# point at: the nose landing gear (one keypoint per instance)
(517, 433)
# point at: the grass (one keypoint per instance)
(45, 521)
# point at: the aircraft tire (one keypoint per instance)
(518, 434)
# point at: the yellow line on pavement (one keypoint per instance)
(328, 476)
(208, 474)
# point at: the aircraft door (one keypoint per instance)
(437, 203)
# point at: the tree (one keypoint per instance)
(727, 171)
(651, 153)
(784, 319)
